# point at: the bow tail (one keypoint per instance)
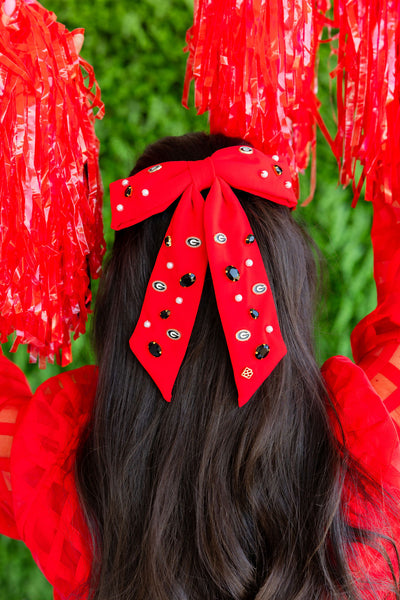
(243, 293)
(162, 333)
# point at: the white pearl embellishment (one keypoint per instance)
(249, 262)
(125, 182)
(269, 329)
(238, 297)
(275, 157)
(179, 300)
(120, 207)
(170, 265)
(145, 192)
(147, 324)
(288, 184)
(264, 174)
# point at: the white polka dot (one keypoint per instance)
(145, 192)
(179, 300)
(125, 182)
(249, 262)
(238, 297)
(269, 329)
(288, 184)
(120, 207)
(264, 174)
(275, 157)
(170, 265)
(147, 324)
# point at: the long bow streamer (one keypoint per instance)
(215, 231)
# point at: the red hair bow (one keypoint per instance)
(214, 231)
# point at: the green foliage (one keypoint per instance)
(136, 50)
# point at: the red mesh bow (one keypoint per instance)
(215, 231)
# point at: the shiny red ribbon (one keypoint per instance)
(214, 231)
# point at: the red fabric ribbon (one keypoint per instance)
(215, 231)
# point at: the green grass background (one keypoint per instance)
(136, 49)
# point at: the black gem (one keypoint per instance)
(254, 313)
(155, 349)
(187, 280)
(168, 241)
(232, 273)
(278, 170)
(262, 351)
(250, 239)
(128, 191)
(164, 314)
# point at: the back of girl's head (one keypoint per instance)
(198, 498)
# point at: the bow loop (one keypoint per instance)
(216, 232)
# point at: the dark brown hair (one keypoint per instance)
(199, 499)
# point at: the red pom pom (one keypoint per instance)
(254, 67)
(368, 91)
(51, 239)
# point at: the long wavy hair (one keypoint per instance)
(199, 499)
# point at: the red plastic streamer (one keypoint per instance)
(368, 88)
(254, 66)
(51, 238)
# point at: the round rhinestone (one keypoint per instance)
(155, 168)
(261, 351)
(179, 300)
(288, 184)
(164, 314)
(249, 262)
(168, 241)
(232, 273)
(155, 349)
(250, 239)
(254, 313)
(145, 192)
(264, 174)
(120, 207)
(269, 329)
(278, 170)
(128, 191)
(238, 297)
(246, 150)
(187, 280)
(147, 324)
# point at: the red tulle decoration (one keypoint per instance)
(254, 66)
(51, 238)
(368, 89)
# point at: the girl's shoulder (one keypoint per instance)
(370, 432)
